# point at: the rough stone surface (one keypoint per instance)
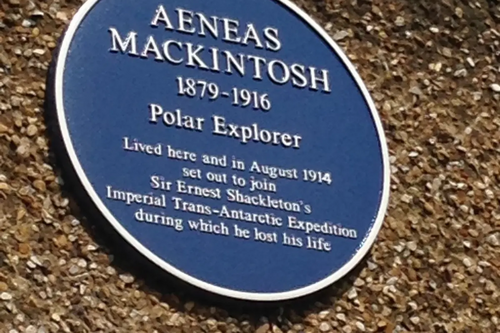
(432, 67)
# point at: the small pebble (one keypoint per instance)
(127, 278)
(74, 269)
(360, 326)
(5, 296)
(494, 239)
(400, 21)
(341, 317)
(467, 262)
(392, 281)
(31, 329)
(264, 328)
(352, 294)
(347, 329)
(359, 282)
(340, 35)
(325, 327)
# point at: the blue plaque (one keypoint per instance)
(230, 142)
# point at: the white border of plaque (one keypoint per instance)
(249, 296)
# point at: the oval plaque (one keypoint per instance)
(230, 142)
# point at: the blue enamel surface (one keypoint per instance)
(106, 97)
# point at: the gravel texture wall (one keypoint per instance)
(433, 68)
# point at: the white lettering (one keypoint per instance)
(186, 21)
(121, 46)
(161, 16)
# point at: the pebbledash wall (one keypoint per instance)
(430, 69)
